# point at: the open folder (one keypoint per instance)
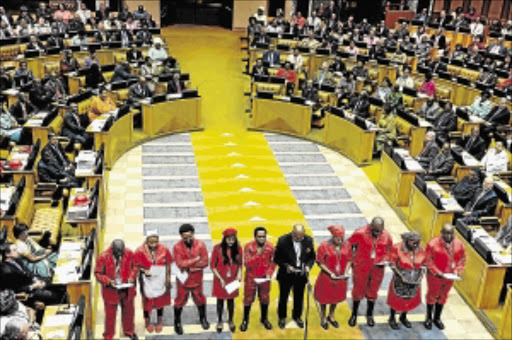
(232, 286)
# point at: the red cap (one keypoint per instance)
(229, 232)
(337, 230)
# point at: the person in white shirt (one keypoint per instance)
(83, 13)
(495, 160)
(80, 40)
(274, 28)
(476, 27)
(371, 39)
(158, 55)
(405, 80)
(42, 27)
(260, 15)
(314, 21)
(296, 60)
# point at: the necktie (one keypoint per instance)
(178, 86)
(77, 119)
(118, 270)
(496, 49)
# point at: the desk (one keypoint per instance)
(349, 139)
(19, 152)
(426, 218)
(394, 183)
(171, 116)
(281, 116)
(56, 331)
(505, 328)
(416, 134)
(23, 213)
(82, 223)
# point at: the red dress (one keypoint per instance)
(405, 260)
(327, 290)
(145, 259)
(228, 272)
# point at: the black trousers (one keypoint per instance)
(285, 286)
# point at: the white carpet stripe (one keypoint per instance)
(166, 165)
(330, 216)
(201, 219)
(174, 205)
(343, 200)
(164, 190)
(167, 154)
(163, 178)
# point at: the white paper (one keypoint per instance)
(260, 280)
(232, 286)
(181, 276)
(453, 277)
(123, 285)
(174, 96)
(70, 246)
(154, 285)
(57, 320)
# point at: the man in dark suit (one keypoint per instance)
(259, 69)
(445, 123)
(464, 189)
(262, 38)
(133, 55)
(34, 44)
(39, 95)
(54, 165)
(360, 105)
(271, 56)
(295, 256)
(382, 30)
(139, 90)
(482, 204)
(438, 39)
(441, 165)
(430, 150)
(144, 35)
(499, 115)
(443, 19)
(474, 144)
(73, 129)
(55, 87)
(175, 85)
(22, 110)
(121, 72)
(337, 66)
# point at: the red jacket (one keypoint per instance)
(257, 265)
(363, 240)
(289, 75)
(444, 258)
(186, 260)
(105, 271)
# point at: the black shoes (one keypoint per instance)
(369, 313)
(202, 317)
(437, 316)
(392, 323)
(178, 328)
(282, 323)
(133, 337)
(333, 322)
(428, 324)
(299, 322)
(428, 319)
(266, 324)
(353, 319)
(244, 325)
(439, 324)
(370, 321)
(404, 321)
(324, 324)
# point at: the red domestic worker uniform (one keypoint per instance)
(442, 258)
(145, 259)
(369, 252)
(228, 272)
(106, 271)
(327, 290)
(258, 266)
(402, 301)
(186, 260)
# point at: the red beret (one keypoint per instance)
(229, 232)
(337, 230)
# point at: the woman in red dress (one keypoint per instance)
(152, 253)
(407, 262)
(226, 267)
(333, 258)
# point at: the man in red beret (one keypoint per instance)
(373, 246)
(334, 259)
(259, 264)
(191, 257)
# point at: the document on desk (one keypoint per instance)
(174, 96)
(413, 165)
(70, 246)
(154, 284)
(182, 276)
(475, 119)
(97, 125)
(232, 286)
(58, 320)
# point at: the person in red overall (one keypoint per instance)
(114, 267)
(334, 259)
(227, 260)
(407, 262)
(289, 75)
(152, 253)
(259, 263)
(373, 247)
(191, 256)
(445, 255)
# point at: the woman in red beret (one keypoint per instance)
(226, 267)
(333, 258)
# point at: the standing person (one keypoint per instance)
(407, 262)
(259, 264)
(373, 247)
(116, 267)
(226, 267)
(445, 255)
(156, 288)
(191, 257)
(334, 259)
(295, 256)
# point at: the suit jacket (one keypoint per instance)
(54, 41)
(285, 256)
(488, 78)
(172, 87)
(429, 152)
(430, 113)
(498, 116)
(130, 57)
(437, 66)
(105, 270)
(40, 96)
(476, 148)
(261, 39)
(144, 36)
(441, 43)
(52, 87)
(442, 164)
(15, 278)
(99, 15)
(100, 36)
(310, 93)
(464, 190)
(446, 122)
(337, 67)
(49, 173)
(485, 206)
(17, 111)
(272, 57)
(36, 46)
(72, 125)
(138, 91)
(328, 79)
(360, 107)
(120, 74)
(262, 71)
(54, 156)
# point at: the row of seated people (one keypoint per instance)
(44, 21)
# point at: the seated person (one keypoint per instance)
(360, 105)
(68, 63)
(495, 160)
(36, 259)
(122, 72)
(73, 129)
(498, 48)
(441, 165)
(488, 77)
(175, 85)
(310, 41)
(144, 35)
(464, 189)
(91, 59)
(437, 66)
(483, 203)
(34, 44)
(101, 104)
(323, 76)
(272, 57)
(498, 116)
(428, 88)
(75, 24)
(138, 91)
(352, 49)
(386, 133)
(124, 36)
(133, 55)
(261, 38)
(157, 53)
(474, 144)
(24, 74)
(9, 127)
(338, 66)
(384, 90)
(405, 79)
(54, 87)
(359, 71)
(504, 235)
(146, 69)
(11, 308)
(40, 96)
(54, 40)
(430, 110)
(429, 151)
(259, 69)
(80, 40)
(289, 75)
(423, 48)
(54, 165)
(296, 60)
(23, 109)
(346, 85)
(377, 51)
(482, 105)
(94, 77)
(398, 57)
(445, 123)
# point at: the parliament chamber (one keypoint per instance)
(118, 134)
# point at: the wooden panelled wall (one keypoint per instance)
(492, 9)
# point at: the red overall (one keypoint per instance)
(144, 259)
(228, 272)
(105, 271)
(405, 260)
(327, 290)
(443, 258)
(258, 266)
(186, 260)
(367, 277)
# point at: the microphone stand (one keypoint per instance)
(308, 293)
